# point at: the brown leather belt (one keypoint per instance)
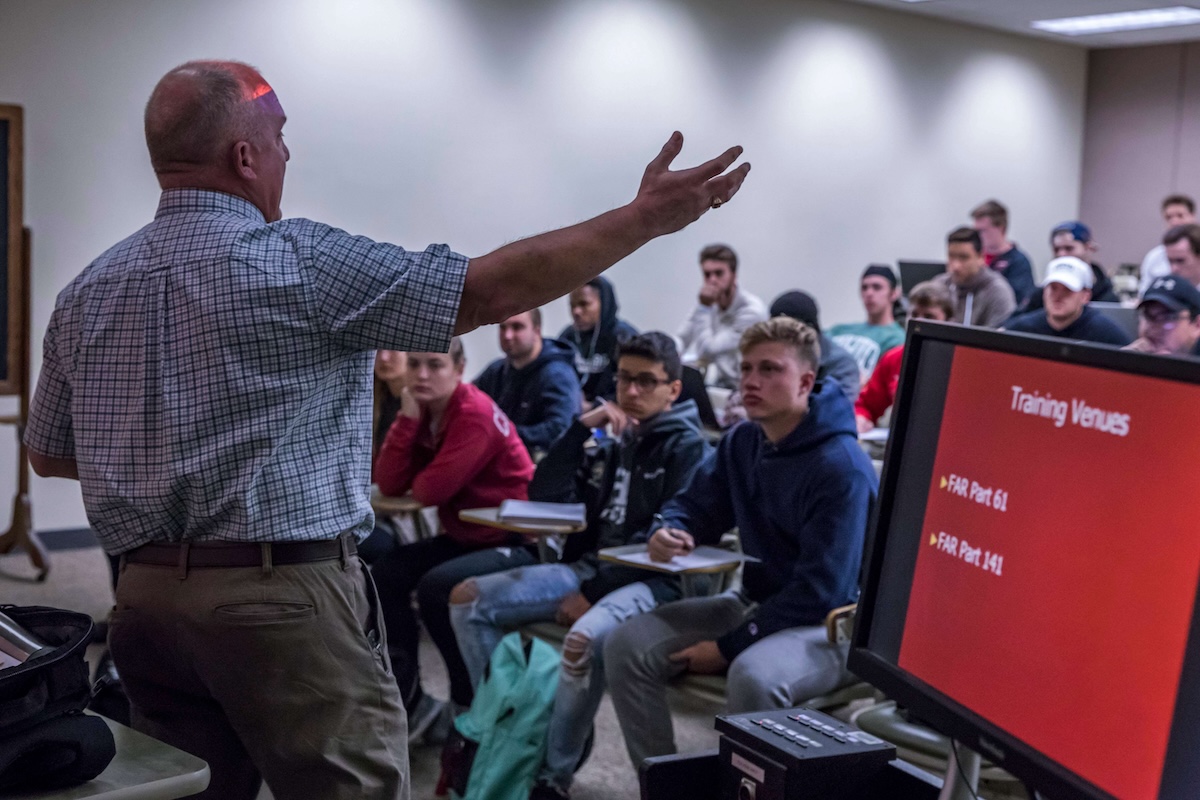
(232, 554)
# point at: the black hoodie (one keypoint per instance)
(541, 398)
(596, 349)
(623, 483)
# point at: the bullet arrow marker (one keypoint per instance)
(944, 482)
(932, 539)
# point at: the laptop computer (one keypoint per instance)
(1126, 318)
(914, 272)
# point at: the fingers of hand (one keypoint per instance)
(723, 188)
(663, 160)
(715, 166)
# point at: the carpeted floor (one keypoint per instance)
(79, 580)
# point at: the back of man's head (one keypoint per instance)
(801, 339)
(657, 347)
(199, 109)
(800, 306)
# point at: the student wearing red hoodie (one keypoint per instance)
(927, 300)
(453, 448)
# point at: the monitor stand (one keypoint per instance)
(961, 781)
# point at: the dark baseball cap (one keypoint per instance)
(799, 306)
(1175, 293)
(883, 271)
(1081, 232)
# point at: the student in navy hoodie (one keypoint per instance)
(795, 483)
(535, 383)
(595, 333)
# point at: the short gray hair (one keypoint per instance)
(196, 111)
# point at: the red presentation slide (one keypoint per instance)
(1059, 560)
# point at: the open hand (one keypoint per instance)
(670, 200)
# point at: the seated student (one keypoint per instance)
(1002, 254)
(390, 371)
(867, 341)
(623, 482)
(1177, 209)
(1065, 312)
(722, 314)
(798, 487)
(1182, 246)
(1075, 239)
(594, 332)
(454, 449)
(972, 284)
(1169, 319)
(535, 383)
(927, 300)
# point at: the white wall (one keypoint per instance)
(475, 122)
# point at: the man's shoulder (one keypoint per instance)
(751, 302)
(491, 373)
(1017, 257)
(846, 328)
(1029, 322)
(998, 284)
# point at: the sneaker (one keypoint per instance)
(426, 712)
(547, 791)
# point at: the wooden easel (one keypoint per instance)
(20, 533)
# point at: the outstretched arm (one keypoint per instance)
(531, 272)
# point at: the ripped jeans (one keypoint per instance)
(533, 594)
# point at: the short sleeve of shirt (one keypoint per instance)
(49, 430)
(371, 295)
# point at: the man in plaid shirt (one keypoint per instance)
(208, 382)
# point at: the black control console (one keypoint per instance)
(796, 754)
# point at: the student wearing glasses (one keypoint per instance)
(1169, 319)
(623, 481)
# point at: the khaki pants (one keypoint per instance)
(265, 672)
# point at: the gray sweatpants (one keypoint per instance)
(781, 670)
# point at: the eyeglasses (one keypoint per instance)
(1167, 320)
(644, 381)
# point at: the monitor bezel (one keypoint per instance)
(922, 700)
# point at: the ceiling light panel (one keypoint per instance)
(1120, 21)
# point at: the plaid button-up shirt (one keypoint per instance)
(211, 374)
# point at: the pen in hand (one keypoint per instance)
(668, 542)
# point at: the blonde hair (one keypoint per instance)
(800, 337)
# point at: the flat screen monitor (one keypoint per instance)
(914, 272)
(1125, 317)
(1031, 583)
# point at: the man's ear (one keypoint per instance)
(243, 160)
(676, 390)
(895, 294)
(808, 381)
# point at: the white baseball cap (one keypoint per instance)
(1073, 273)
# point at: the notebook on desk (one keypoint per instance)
(530, 512)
